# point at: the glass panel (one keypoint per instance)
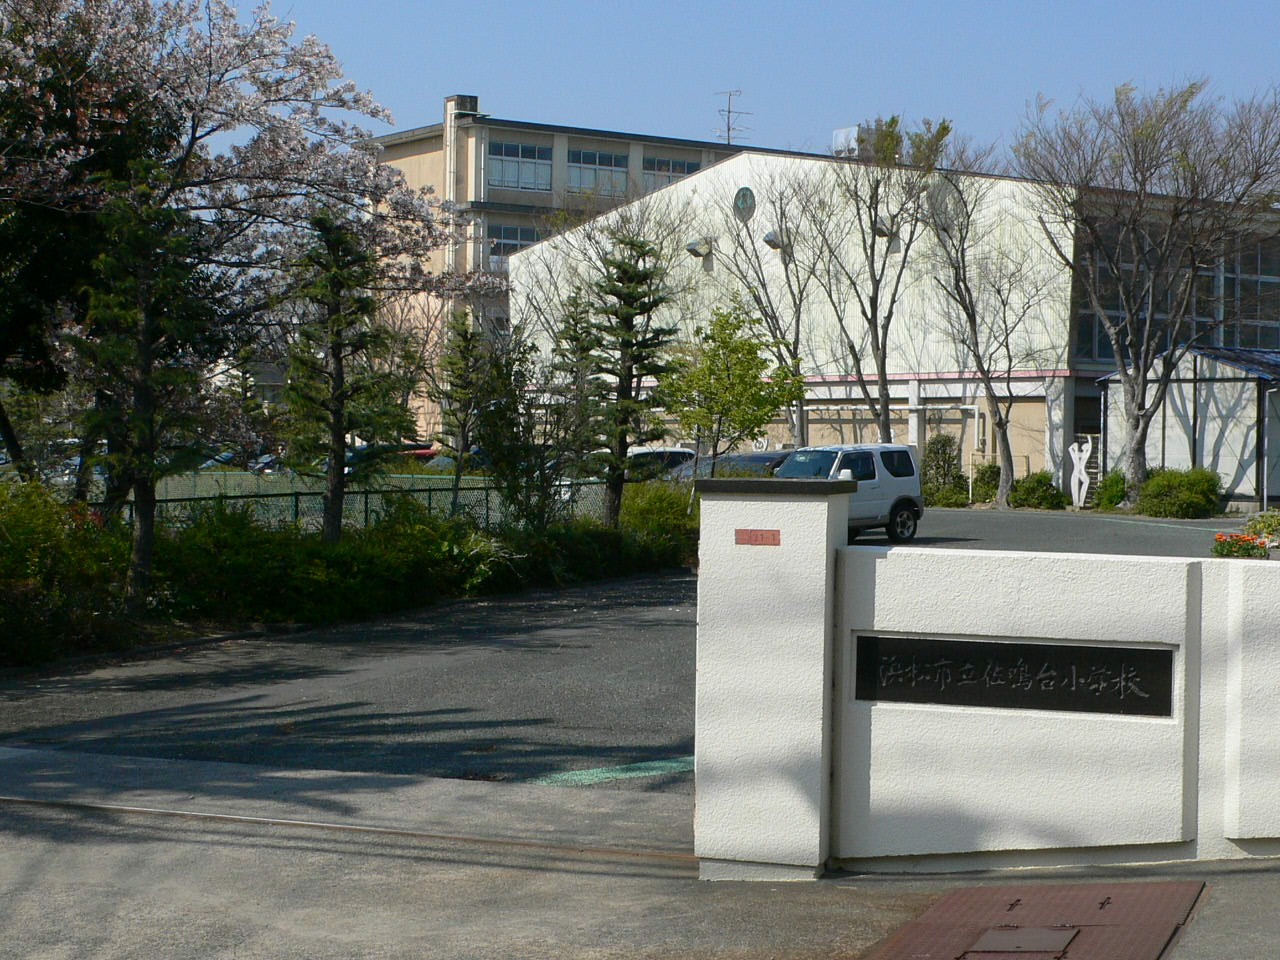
(621, 160)
(575, 156)
(663, 166)
(1105, 352)
(544, 153)
(1206, 298)
(807, 463)
(544, 176)
(511, 149)
(619, 183)
(495, 148)
(1269, 337)
(692, 167)
(527, 235)
(1084, 336)
(1269, 251)
(588, 156)
(1268, 300)
(649, 163)
(1248, 335)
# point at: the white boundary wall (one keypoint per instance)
(794, 773)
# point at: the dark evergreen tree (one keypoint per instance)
(153, 325)
(466, 382)
(330, 398)
(628, 350)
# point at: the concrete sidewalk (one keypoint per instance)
(319, 864)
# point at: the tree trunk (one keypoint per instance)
(335, 475)
(138, 582)
(1004, 450)
(1135, 460)
(13, 447)
(882, 410)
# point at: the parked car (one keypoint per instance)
(266, 463)
(222, 459)
(888, 476)
(648, 463)
(754, 463)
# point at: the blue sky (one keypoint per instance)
(804, 68)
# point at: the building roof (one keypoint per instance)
(1264, 364)
(482, 119)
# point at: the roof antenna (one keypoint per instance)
(731, 125)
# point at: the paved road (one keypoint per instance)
(517, 688)
(1061, 531)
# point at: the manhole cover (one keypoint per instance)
(1077, 921)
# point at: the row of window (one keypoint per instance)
(594, 158)
(526, 166)
(1092, 342)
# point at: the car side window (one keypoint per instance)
(898, 463)
(861, 463)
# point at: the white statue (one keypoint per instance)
(1080, 452)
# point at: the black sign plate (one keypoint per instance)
(1026, 676)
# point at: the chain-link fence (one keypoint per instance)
(304, 508)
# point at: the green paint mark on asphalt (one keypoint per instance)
(584, 778)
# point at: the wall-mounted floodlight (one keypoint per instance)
(699, 248)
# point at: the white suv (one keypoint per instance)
(888, 476)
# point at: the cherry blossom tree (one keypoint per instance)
(237, 134)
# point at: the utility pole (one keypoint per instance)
(731, 125)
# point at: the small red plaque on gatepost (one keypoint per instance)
(757, 538)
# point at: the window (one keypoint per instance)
(505, 239)
(659, 171)
(519, 166)
(898, 463)
(807, 463)
(861, 463)
(593, 171)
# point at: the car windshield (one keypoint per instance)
(807, 463)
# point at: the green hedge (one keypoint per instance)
(62, 570)
(1110, 492)
(986, 482)
(1180, 493)
(1038, 490)
(61, 577)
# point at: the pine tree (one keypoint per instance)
(628, 348)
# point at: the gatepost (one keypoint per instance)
(766, 577)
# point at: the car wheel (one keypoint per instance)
(902, 525)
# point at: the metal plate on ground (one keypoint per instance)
(1108, 921)
(1024, 940)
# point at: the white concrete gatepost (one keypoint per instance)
(766, 579)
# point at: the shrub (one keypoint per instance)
(1110, 491)
(986, 482)
(1240, 545)
(61, 576)
(664, 518)
(1265, 525)
(1038, 490)
(942, 479)
(1180, 493)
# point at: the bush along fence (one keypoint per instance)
(304, 509)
